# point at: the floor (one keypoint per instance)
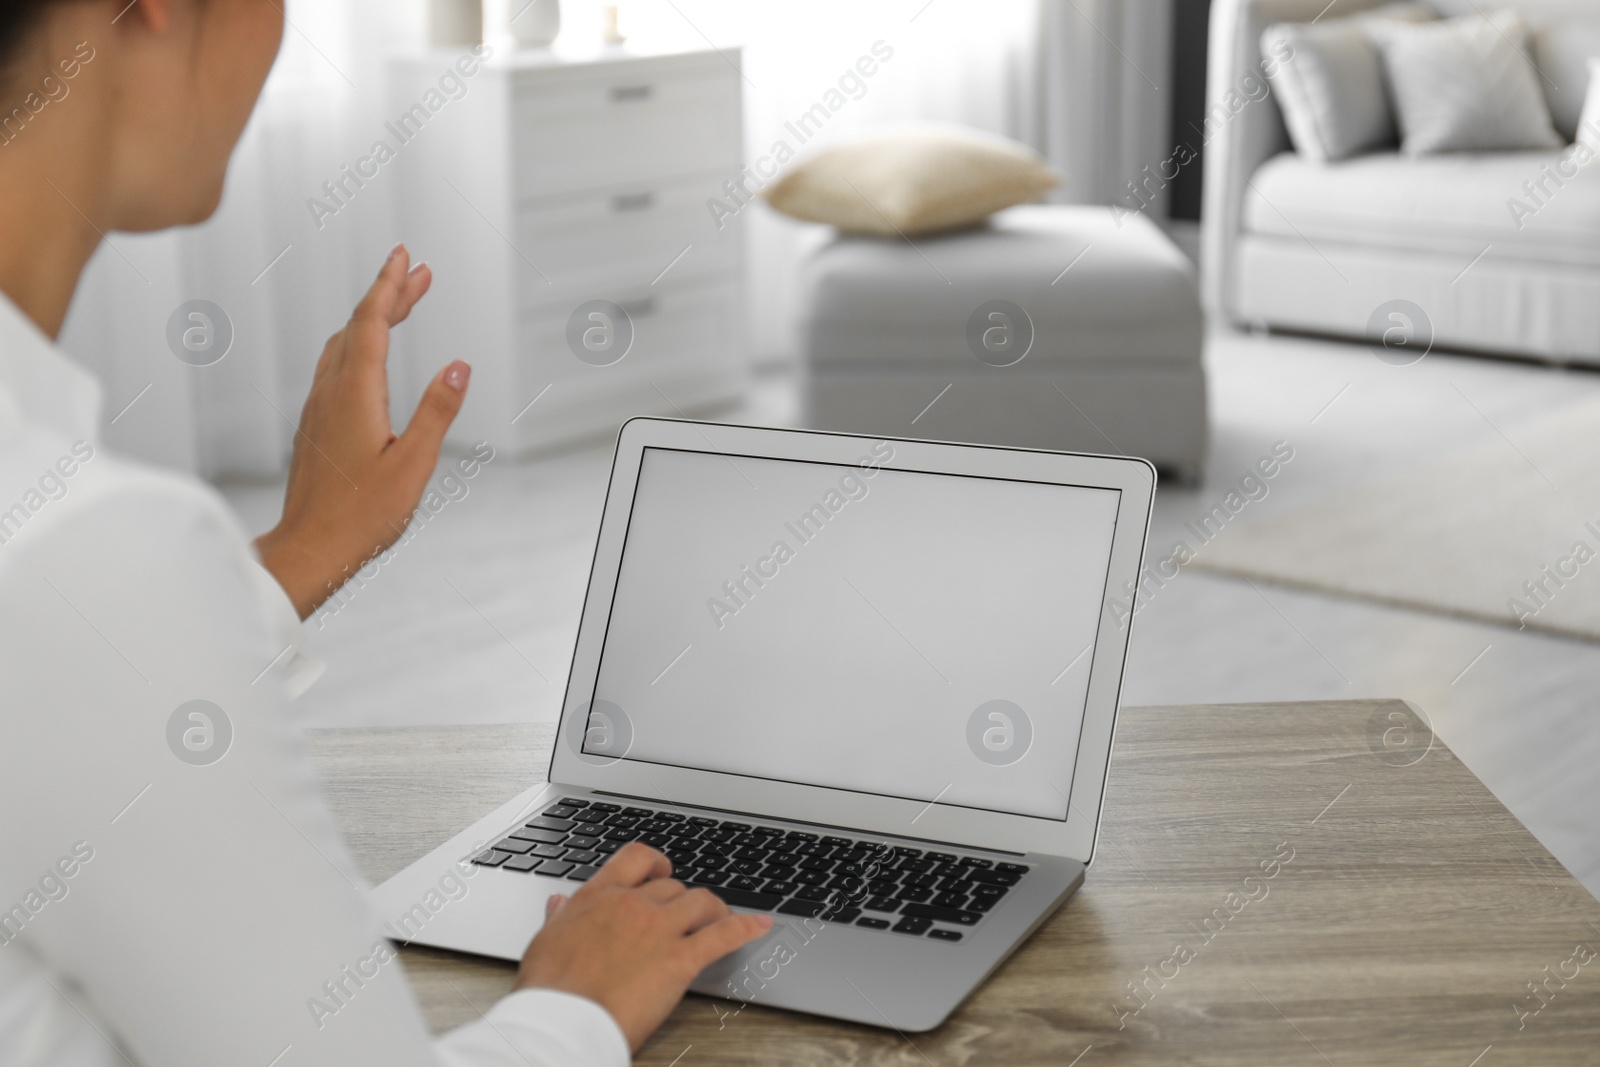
(473, 620)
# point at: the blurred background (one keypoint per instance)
(1333, 266)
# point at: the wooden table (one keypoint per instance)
(1407, 918)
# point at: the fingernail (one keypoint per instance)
(395, 251)
(419, 266)
(764, 921)
(456, 375)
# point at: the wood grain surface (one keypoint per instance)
(1310, 883)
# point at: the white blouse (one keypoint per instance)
(172, 890)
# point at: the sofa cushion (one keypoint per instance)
(1332, 90)
(921, 178)
(1465, 85)
(1453, 204)
(1096, 284)
(1562, 47)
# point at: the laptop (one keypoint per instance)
(865, 685)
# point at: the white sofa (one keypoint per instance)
(1300, 246)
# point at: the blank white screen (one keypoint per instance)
(856, 655)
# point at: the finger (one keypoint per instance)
(722, 937)
(696, 909)
(440, 403)
(416, 284)
(553, 905)
(377, 306)
(634, 864)
(330, 355)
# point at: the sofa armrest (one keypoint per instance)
(1239, 137)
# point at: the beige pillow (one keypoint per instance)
(912, 180)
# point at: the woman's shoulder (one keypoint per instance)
(49, 481)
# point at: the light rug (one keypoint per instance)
(1507, 532)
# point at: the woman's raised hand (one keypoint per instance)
(354, 482)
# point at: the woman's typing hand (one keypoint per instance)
(632, 939)
(354, 482)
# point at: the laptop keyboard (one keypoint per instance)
(851, 880)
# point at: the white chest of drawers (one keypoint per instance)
(538, 185)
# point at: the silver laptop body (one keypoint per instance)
(866, 685)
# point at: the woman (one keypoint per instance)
(159, 905)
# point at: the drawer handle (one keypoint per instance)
(633, 202)
(631, 94)
(638, 309)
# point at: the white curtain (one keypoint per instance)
(1028, 69)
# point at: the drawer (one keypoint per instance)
(677, 332)
(625, 239)
(629, 126)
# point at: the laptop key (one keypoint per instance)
(638, 813)
(745, 882)
(542, 837)
(580, 841)
(811, 877)
(618, 834)
(656, 840)
(813, 892)
(702, 820)
(606, 848)
(939, 857)
(882, 904)
(574, 802)
(950, 900)
(589, 815)
(582, 873)
(543, 823)
(837, 914)
(993, 891)
(736, 827)
(993, 878)
(954, 916)
(974, 861)
(746, 866)
(945, 935)
(744, 899)
(670, 816)
(514, 845)
(838, 841)
(605, 807)
(779, 887)
(521, 863)
(913, 893)
(982, 903)
(804, 908)
(911, 926)
(555, 868)
(920, 881)
(491, 858)
(583, 857)
(873, 924)
(547, 852)
(1011, 868)
(560, 811)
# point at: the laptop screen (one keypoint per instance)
(911, 634)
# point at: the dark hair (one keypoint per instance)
(17, 20)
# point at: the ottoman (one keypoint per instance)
(1059, 327)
